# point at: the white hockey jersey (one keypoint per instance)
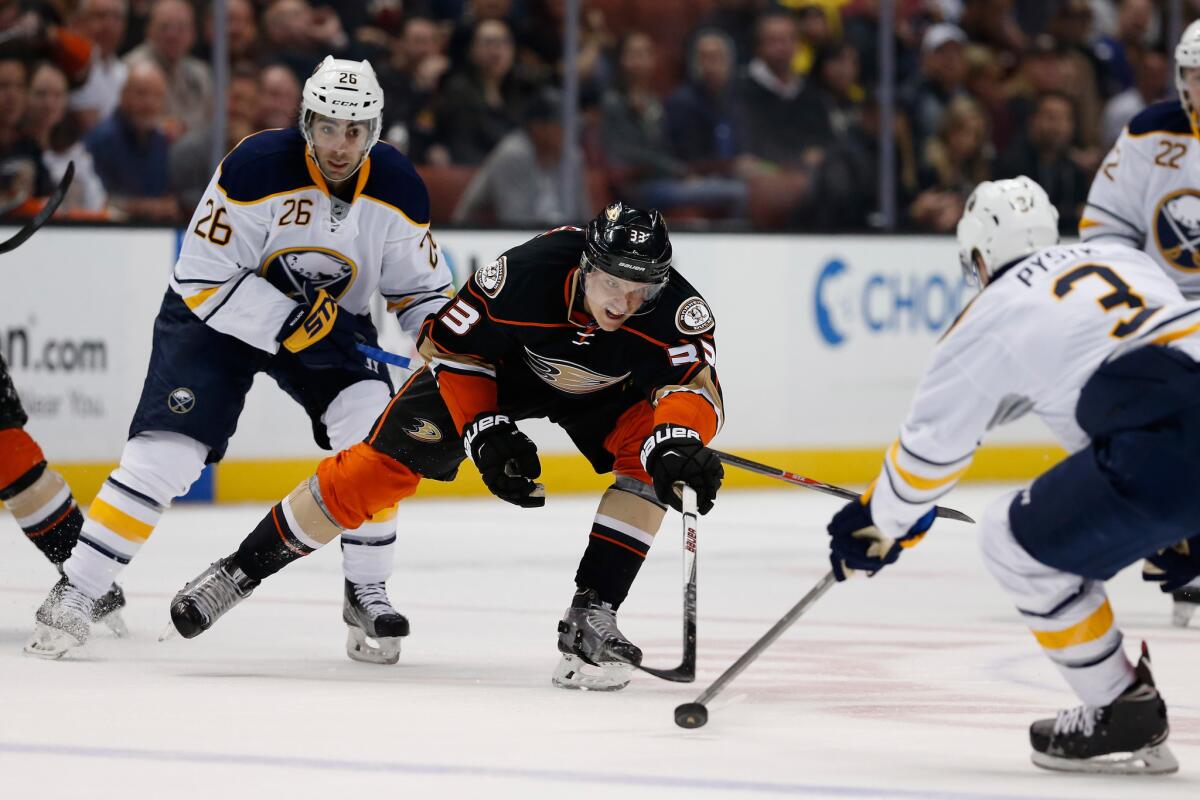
(1027, 342)
(267, 228)
(1147, 193)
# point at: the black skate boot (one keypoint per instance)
(1128, 736)
(374, 626)
(208, 596)
(1186, 601)
(596, 656)
(64, 621)
(108, 611)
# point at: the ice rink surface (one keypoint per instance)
(920, 683)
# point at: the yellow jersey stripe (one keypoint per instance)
(916, 481)
(1179, 334)
(200, 297)
(1098, 623)
(120, 523)
(1086, 223)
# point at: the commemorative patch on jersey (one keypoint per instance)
(490, 277)
(569, 377)
(694, 317)
(423, 430)
(299, 272)
(1177, 229)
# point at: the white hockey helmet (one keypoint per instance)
(1002, 222)
(1187, 54)
(343, 89)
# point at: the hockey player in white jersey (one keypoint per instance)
(1147, 194)
(1099, 343)
(297, 231)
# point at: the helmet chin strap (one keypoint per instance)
(312, 153)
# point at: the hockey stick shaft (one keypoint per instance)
(811, 483)
(384, 356)
(768, 638)
(686, 671)
(46, 211)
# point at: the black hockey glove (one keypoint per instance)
(1174, 567)
(321, 334)
(674, 454)
(506, 458)
(856, 544)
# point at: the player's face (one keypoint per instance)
(339, 145)
(612, 300)
(1191, 84)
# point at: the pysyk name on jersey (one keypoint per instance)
(1048, 260)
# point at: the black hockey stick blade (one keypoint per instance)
(811, 483)
(686, 671)
(46, 211)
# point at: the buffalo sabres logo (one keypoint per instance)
(423, 430)
(490, 277)
(1177, 229)
(568, 377)
(694, 316)
(181, 400)
(299, 272)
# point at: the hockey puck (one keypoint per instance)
(691, 715)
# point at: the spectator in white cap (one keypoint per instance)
(941, 79)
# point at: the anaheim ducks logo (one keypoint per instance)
(299, 272)
(568, 377)
(1177, 229)
(423, 430)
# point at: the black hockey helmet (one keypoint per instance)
(629, 243)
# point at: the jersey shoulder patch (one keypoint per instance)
(694, 316)
(1165, 117)
(394, 181)
(263, 164)
(491, 277)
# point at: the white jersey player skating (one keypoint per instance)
(1147, 194)
(297, 231)
(1098, 342)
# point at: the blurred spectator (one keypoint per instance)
(814, 32)
(835, 73)
(739, 20)
(521, 182)
(1113, 54)
(278, 98)
(1150, 85)
(993, 23)
(131, 151)
(1041, 71)
(702, 123)
(190, 159)
(296, 34)
(47, 123)
(941, 80)
(476, 12)
(103, 22)
(1071, 28)
(1044, 154)
(170, 34)
(33, 31)
(541, 40)
(22, 174)
(242, 34)
(952, 163)
(409, 80)
(985, 84)
(784, 120)
(479, 106)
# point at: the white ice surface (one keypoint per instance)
(919, 683)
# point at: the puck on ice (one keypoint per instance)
(691, 715)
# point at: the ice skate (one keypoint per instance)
(1126, 737)
(107, 610)
(63, 621)
(207, 597)
(596, 656)
(374, 627)
(1186, 601)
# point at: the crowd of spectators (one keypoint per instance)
(741, 114)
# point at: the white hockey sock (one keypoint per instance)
(368, 552)
(1101, 683)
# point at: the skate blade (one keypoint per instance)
(169, 632)
(1155, 760)
(50, 643)
(1181, 613)
(116, 623)
(573, 672)
(360, 647)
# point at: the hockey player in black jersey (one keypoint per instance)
(591, 329)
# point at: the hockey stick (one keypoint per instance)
(384, 356)
(686, 671)
(46, 211)
(810, 483)
(695, 713)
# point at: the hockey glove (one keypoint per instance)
(1175, 567)
(506, 458)
(674, 454)
(320, 334)
(856, 544)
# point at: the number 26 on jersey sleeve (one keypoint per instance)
(1122, 295)
(212, 226)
